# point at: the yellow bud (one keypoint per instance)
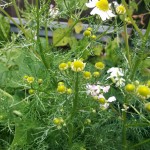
(31, 91)
(147, 106)
(96, 74)
(40, 81)
(61, 89)
(87, 33)
(100, 65)
(87, 75)
(93, 37)
(130, 87)
(69, 91)
(102, 100)
(30, 79)
(89, 28)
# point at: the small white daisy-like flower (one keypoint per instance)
(53, 11)
(101, 8)
(116, 75)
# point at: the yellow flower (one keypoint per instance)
(30, 79)
(61, 89)
(40, 81)
(87, 75)
(96, 74)
(63, 66)
(147, 106)
(31, 91)
(77, 65)
(69, 63)
(127, 19)
(130, 87)
(25, 77)
(89, 28)
(87, 121)
(100, 65)
(101, 8)
(120, 10)
(143, 91)
(93, 37)
(102, 5)
(69, 91)
(87, 33)
(102, 100)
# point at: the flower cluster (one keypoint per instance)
(88, 33)
(141, 90)
(59, 122)
(103, 9)
(116, 75)
(98, 92)
(61, 88)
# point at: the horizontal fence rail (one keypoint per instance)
(55, 24)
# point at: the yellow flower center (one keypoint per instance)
(129, 87)
(147, 106)
(61, 89)
(63, 66)
(99, 65)
(30, 79)
(87, 75)
(102, 100)
(96, 74)
(87, 33)
(143, 91)
(120, 9)
(77, 65)
(103, 5)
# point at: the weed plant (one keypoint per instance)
(91, 93)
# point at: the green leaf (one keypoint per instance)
(4, 28)
(58, 34)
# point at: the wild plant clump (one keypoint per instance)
(78, 84)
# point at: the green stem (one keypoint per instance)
(75, 100)
(17, 13)
(131, 19)
(38, 38)
(10, 18)
(124, 127)
(124, 131)
(74, 110)
(127, 45)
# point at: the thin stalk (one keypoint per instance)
(131, 19)
(74, 110)
(127, 45)
(124, 127)
(141, 143)
(17, 13)
(38, 38)
(9, 17)
(75, 100)
(124, 131)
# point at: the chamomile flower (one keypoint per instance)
(87, 75)
(120, 9)
(143, 91)
(63, 66)
(77, 65)
(101, 8)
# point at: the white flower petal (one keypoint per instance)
(110, 14)
(94, 11)
(91, 4)
(111, 99)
